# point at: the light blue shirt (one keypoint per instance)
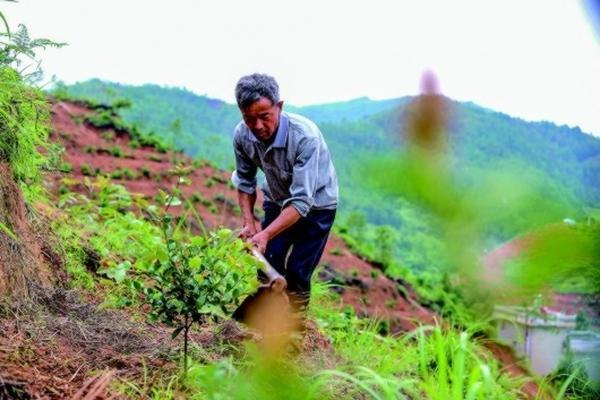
(297, 165)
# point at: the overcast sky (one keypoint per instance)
(531, 59)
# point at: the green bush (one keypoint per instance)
(65, 167)
(87, 170)
(145, 172)
(24, 114)
(116, 174)
(116, 151)
(129, 174)
(108, 135)
(209, 182)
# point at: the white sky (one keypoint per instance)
(531, 59)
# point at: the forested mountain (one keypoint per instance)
(560, 162)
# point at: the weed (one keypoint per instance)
(129, 174)
(87, 170)
(336, 251)
(145, 172)
(116, 174)
(116, 151)
(65, 167)
(220, 197)
(209, 182)
(108, 135)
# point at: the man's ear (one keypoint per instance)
(280, 105)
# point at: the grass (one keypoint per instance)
(209, 182)
(24, 114)
(336, 251)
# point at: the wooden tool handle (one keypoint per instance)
(276, 280)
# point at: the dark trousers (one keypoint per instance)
(306, 239)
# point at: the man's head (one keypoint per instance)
(257, 96)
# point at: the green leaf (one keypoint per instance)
(175, 201)
(195, 262)
(198, 241)
(137, 285)
(162, 255)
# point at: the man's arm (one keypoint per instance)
(244, 178)
(288, 217)
(302, 192)
(246, 202)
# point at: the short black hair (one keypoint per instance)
(251, 88)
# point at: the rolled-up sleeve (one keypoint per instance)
(304, 179)
(244, 175)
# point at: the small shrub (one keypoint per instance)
(87, 170)
(108, 135)
(161, 147)
(145, 172)
(192, 280)
(63, 189)
(89, 149)
(198, 163)
(116, 174)
(65, 167)
(134, 144)
(220, 197)
(106, 119)
(116, 151)
(375, 273)
(213, 209)
(210, 182)
(129, 174)
(336, 251)
(196, 197)
(383, 327)
(154, 157)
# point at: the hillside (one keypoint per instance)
(560, 164)
(91, 154)
(94, 339)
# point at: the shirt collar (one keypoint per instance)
(282, 131)
(281, 134)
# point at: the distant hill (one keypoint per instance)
(564, 161)
(197, 124)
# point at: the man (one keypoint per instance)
(300, 191)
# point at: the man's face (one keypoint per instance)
(262, 118)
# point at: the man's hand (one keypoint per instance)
(260, 241)
(288, 217)
(248, 231)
